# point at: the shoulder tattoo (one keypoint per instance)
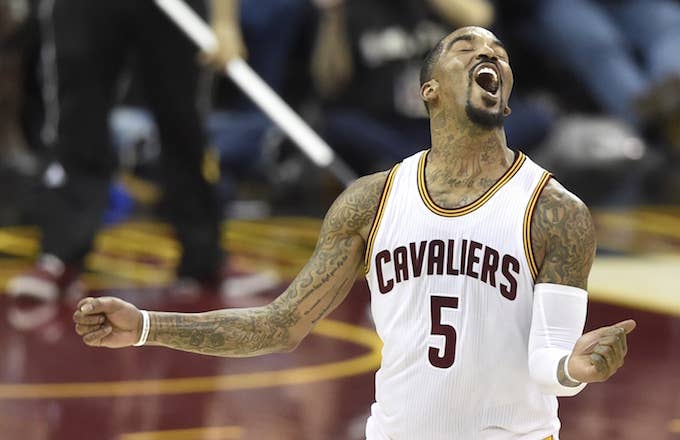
(355, 209)
(562, 237)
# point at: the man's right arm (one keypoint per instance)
(317, 290)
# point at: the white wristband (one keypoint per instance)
(146, 324)
(566, 370)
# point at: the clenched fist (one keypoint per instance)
(108, 322)
(599, 353)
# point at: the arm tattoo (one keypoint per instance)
(563, 238)
(236, 332)
(319, 288)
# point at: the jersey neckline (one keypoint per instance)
(520, 158)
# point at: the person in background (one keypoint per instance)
(12, 20)
(85, 46)
(624, 52)
(365, 67)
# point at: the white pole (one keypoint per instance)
(252, 85)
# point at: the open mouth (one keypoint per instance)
(486, 76)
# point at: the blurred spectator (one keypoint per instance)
(12, 16)
(625, 52)
(366, 65)
(273, 30)
(247, 143)
(17, 165)
(86, 44)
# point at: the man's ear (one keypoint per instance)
(430, 91)
(507, 111)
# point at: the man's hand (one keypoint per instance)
(108, 322)
(599, 353)
(230, 45)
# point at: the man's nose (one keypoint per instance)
(487, 51)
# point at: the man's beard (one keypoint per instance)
(484, 118)
(481, 117)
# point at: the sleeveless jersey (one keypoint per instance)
(451, 297)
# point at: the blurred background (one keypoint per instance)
(129, 168)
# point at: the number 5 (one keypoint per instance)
(449, 333)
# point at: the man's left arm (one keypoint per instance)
(563, 242)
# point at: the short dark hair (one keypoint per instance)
(428, 65)
(430, 61)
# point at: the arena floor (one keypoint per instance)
(53, 387)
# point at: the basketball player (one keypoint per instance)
(477, 261)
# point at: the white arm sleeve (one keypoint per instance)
(559, 314)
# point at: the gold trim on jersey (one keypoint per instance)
(378, 216)
(457, 212)
(528, 214)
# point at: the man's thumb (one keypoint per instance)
(628, 325)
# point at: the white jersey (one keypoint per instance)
(451, 296)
